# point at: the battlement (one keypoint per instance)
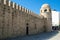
(18, 7)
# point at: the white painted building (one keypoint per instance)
(55, 18)
(59, 18)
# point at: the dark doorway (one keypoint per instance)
(44, 28)
(27, 29)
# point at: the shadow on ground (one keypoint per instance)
(41, 36)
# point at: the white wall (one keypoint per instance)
(59, 18)
(55, 18)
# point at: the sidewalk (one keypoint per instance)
(55, 35)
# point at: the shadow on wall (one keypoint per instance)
(41, 36)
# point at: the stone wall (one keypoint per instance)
(14, 20)
(46, 13)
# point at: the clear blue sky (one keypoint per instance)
(35, 5)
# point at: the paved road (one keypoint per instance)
(42, 36)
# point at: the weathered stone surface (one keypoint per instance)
(14, 22)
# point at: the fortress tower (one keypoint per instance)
(45, 11)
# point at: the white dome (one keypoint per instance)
(45, 5)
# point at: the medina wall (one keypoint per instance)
(15, 19)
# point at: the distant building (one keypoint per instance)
(59, 18)
(55, 18)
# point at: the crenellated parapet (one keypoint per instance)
(34, 14)
(18, 7)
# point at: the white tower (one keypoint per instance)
(45, 11)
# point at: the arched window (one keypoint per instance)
(45, 10)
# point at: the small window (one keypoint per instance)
(45, 10)
(27, 24)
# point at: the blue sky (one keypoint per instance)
(35, 5)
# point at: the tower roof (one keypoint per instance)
(45, 5)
